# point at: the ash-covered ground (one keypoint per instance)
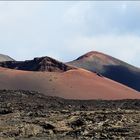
(29, 115)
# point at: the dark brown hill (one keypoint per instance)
(37, 64)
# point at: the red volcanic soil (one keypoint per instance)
(72, 84)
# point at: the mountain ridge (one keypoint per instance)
(38, 64)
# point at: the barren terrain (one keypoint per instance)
(28, 115)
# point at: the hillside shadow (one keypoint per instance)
(123, 75)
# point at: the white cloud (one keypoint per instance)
(77, 13)
(104, 17)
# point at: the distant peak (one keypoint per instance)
(5, 58)
(91, 53)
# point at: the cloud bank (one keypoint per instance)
(65, 30)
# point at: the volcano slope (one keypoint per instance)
(5, 58)
(109, 67)
(75, 83)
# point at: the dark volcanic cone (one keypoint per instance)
(110, 67)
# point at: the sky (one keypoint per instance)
(66, 30)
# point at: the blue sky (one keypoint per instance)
(67, 29)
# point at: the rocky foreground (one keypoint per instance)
(30, 115)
